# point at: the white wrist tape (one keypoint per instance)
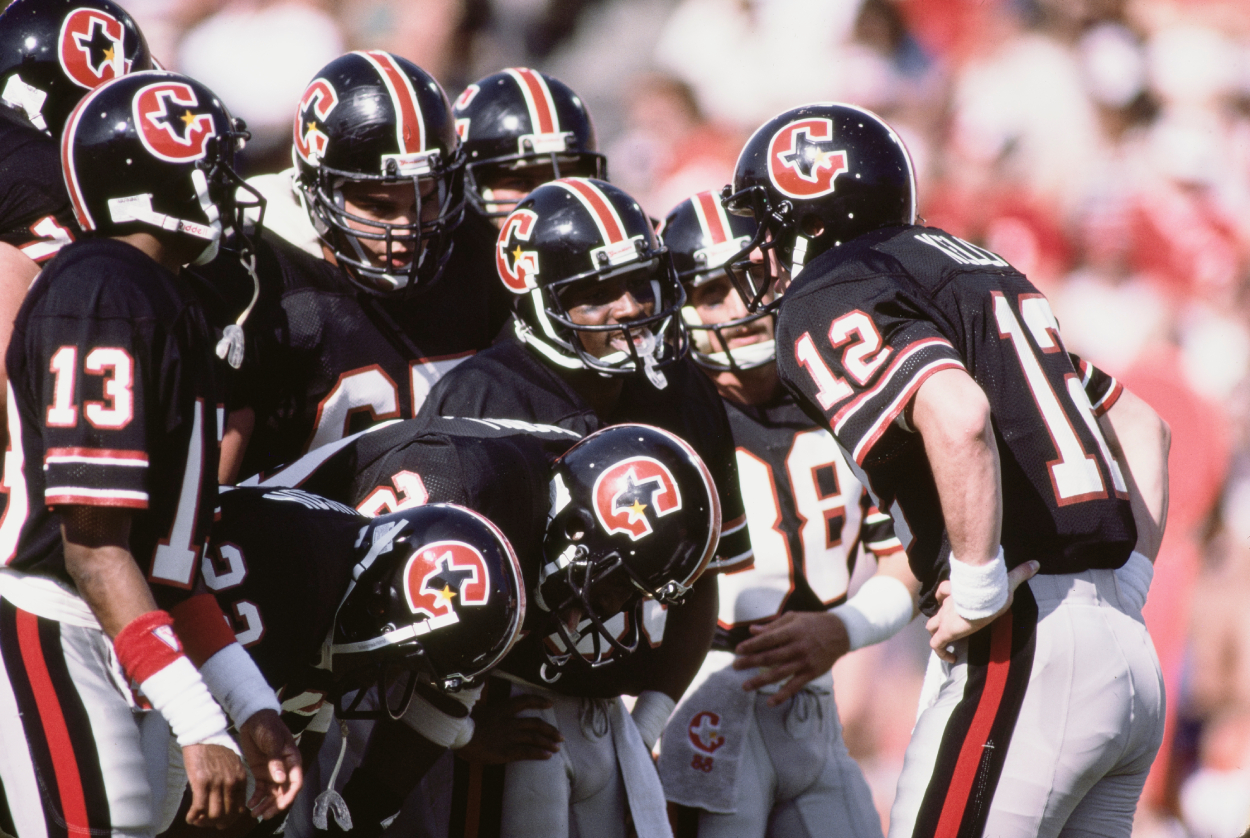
(235, 681)
(877, 612)
(435, 725)
(178, 693)
(979, 591)
(1133, 580)
(650, 714)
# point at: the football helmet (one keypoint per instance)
(702, 237)
(371, 118)
(814, 177)
(437, 594)
(520, 119)
(634, 515)
(53, 51)
(155, 150)
(576, 234)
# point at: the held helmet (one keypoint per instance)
(520, 119)
(575, 235)
(814, 177)
(436, 594)
(702, 237)
(634, 515)
(154, 150)
(53, 51)
(372, 118)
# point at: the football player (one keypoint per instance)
(625, 514)
(597, 339)
(51, 53)
(743, 765)
(414, 606)
(940, 371)
(358, 332)
(110, 480)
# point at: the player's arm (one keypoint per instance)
(952, 414)
(234, 439)
(98, 559)
(1140, 440)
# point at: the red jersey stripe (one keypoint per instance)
(92, 453)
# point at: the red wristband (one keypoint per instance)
(147, 645)
(202, 626)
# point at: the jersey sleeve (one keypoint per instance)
(860, 352)
(876, 532)
(1104, 390)
(92, 382)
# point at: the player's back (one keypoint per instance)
(896, 304)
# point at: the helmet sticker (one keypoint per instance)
(169, 123)
(442, 576)
(627, 490)
(314, 109)
(517, 267)
(91, 48)
(803, 160)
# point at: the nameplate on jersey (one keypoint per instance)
(965, 253)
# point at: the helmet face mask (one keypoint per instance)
(813, 178)
(520, 129)
(437, 597)
(634, 516)
(375, 125)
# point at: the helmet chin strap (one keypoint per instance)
(209, 208)
(799, 256)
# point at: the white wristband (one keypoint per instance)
(1133, 580)
(440, 728)
(650, 714)
(877, 612)
(979, 591)
(235, 681)
(178, 693)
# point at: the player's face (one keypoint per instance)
(503, 187)
(610, 596)
(394, 204)
(602, 302)
(716, 301)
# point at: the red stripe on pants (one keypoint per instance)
(64, 764)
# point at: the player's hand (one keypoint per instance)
(500, 735)
(946, 626)
(274, 760)
(798, 646)
(218, 783)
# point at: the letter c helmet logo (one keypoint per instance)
(633, 492)
(172, 122)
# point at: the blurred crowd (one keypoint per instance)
(1101, 146)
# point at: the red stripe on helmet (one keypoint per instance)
(410, 129)
(600, 208)
(711, 215)
(541, 106)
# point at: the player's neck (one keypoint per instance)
(169, 255)
(601, 392)
(749, 387)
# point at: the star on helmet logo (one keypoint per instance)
(807, 156)
(99, 47)
(632, 497)
(447, 583)
(179, 121)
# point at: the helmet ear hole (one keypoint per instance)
(578, 525)
(812, 226)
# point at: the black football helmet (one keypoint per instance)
(518, 119)
(814, 177)
(53, 51)
(437, 594)
(370, 117)
(634, 515)
(578, 230)
(702, 237)
(155, 150)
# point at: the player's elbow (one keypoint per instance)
(952, 414)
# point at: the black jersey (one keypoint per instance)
(808, 515)
(326, 359)
(511, 382)
(472, 264)
(113, 404)
(279, 562)
(35, 213)
(863, 327)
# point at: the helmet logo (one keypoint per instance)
(704, 732)
(167, 124)
(91, 47)
(517, 267)
(632, 492)
(802, 159)
(442, 576)
(314, 109)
